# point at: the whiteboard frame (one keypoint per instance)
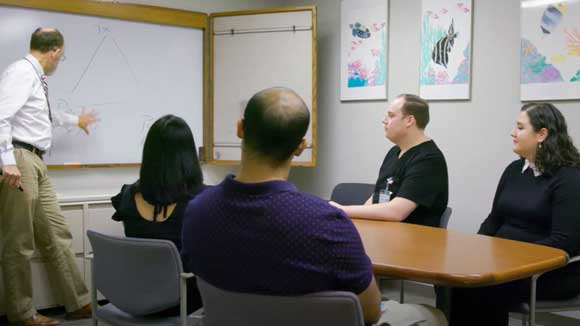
(210, 132)
(129, 12)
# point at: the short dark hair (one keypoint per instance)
(557, 149)
(275, 122)
(417, 107)
(45, 40)
(170, 171)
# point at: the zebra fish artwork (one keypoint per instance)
(440, 54)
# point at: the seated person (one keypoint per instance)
(538, 201)
(169, 177)
(412, 185)
(256, 233)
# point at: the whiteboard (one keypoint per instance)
(252, 52)
(130, 73)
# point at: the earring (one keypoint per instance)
(540, 145)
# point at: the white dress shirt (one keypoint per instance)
(24, 109)
(528, 164)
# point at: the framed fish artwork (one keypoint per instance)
(550, 50)
(363, 50)
(445, 71)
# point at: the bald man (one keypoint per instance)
(278, 240)
(30, 217)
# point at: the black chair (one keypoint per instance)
(352, 193)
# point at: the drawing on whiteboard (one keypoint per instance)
(147, 121)
(101, 72)
(120, 68)
(64, 106)
(108, 56)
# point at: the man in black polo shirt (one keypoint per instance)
(412, 185)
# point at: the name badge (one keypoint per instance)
(385, 194)
(384, 197)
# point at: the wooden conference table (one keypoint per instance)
(450, 258)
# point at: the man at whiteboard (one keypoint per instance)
(30, 216)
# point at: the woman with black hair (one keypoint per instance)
(169, 178)
(538, 201)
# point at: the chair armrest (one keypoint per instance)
(570, 260)
(574, 259)
(198, 314)
(186, 275)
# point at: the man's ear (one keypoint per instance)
(240, 129)
(56, 50)
(301, 147)
(410, 120)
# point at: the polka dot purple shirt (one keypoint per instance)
(269, 238)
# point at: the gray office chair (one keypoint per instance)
(225, 308)
(545, 305)
(352, 193)
(440, 295)
(138, 277)
(445, 217)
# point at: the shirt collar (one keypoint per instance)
(37, 67)
(259, 188)
(528, 164)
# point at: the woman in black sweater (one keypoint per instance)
(538, 201)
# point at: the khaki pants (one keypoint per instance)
(32, 219)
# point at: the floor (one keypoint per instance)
(423, 293)
(57, 313)
(414, 293)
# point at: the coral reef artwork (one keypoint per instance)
(534, 68)
(550, 50)
(363, 49)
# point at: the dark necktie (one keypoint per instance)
(45, 87)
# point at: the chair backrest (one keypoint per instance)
(138, 276)
(225, 308)
(352, 193)
(445, 217)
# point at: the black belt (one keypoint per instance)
(28, 147)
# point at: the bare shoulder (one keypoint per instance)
(146, 210)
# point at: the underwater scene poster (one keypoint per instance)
(363, 50)
(550, 50)
(445, 71)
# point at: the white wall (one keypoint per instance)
(474, 135)
(98, 181)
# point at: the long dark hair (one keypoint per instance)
(557, 150)
(170, 170)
